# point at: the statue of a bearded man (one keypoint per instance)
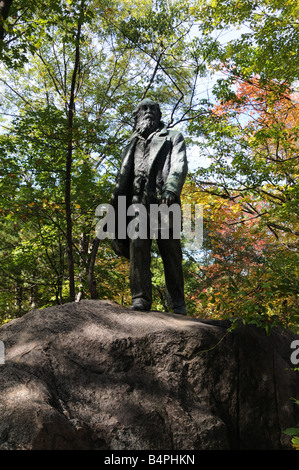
(153, 171)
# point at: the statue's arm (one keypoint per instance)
(123, 174)
(178, 167)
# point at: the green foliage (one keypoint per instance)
(245, 128)
(268, 41)
(114, 69)
(294, 432)
(250, 145)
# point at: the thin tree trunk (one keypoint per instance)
(91, 281)
(69, 160)
(33, 296)
(83, 271)
(19, 299)
(4, 12)
(69, 222)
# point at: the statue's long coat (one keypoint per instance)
(167, 170)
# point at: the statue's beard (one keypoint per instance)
(146, 125)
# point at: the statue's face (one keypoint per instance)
(148, 118)
(149, 112)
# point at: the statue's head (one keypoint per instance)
(147, 116)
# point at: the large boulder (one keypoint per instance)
(95, 375)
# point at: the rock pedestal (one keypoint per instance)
(95, 375)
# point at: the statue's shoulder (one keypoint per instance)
(175, 136)
(170, 133)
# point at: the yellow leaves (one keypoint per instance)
(77, 206)
(295, 443)
(236, 208)
(198, 7)
(193, 10)
(46, 204)
(128, 7)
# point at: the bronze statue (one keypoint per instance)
(153, 171)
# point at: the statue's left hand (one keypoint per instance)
(168, 198)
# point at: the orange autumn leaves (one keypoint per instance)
(251, 242)
(270, 108)
(233, 250)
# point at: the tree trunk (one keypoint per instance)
(69, 160)
(19, 299)
(83, 271)
(91, 281)
(4, 11)
(69, 222)
(33, 296)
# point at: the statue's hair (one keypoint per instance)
(143, 102)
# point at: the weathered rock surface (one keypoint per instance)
(94, 375)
